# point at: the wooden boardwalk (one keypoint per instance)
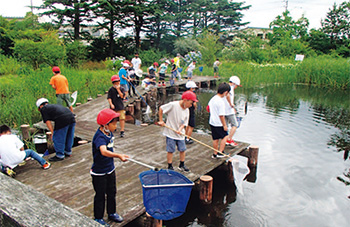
(69, 181)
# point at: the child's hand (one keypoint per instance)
(160, 123)
(124, 157)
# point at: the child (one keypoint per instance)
(12, 151)
(178, 115)
(152, 72)
(216, 68)
(217, 119)
(163, 68)
(191, 86)
(230, 112)
(190, 69)
(60, 84)
(133, 82)
(124, 79)
(173, 72)
(103, 169)
(115, 99)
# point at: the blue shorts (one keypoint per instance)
(172, 143)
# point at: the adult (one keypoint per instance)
(177, 63)
(63, 131)
(216, 68)
(124, 79)
(136, 63)
(60, 84)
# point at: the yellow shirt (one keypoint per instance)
(177, 61)
(61, 84)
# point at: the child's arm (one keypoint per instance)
(180, 129)
(107, 153)
(111, 104)
(160, 117)
(49, 125)
(228, 97)
(223, 122)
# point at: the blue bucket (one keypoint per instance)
(180, 70)
(200, 69)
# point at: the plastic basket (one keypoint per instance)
(165, 193)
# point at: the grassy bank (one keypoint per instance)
(321, 71)
(19, 92)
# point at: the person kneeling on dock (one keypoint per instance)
(178, 116)
(12, 152)
(103, 169)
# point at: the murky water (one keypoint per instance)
(303, 172)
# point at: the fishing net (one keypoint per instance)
(165, 193)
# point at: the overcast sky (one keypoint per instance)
(261, 13)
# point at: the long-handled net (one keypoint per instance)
(165, 193)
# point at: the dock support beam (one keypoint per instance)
(138, 104)
(25, 132)
(230, 171)
(253, 155)
(206, 189)
(152, 222)
(131, 109)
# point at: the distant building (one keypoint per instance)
(258, 32)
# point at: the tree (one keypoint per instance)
(74, 12)
(336, 26)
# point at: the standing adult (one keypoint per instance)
(216, 68)
(60, 84)
(124, 79)
(136, 63)
(177, 63)
(63, 131)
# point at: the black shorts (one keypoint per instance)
(218, 132)
(192, 121)
(161, 76)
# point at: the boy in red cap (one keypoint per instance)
(115, 97)
(103, 169)
(178, 115)
(60, 84)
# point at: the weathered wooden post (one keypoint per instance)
(143, 104)
(77, 104)
(89, 99)
(208, 83)
(199, 84)
(152, 222)
(176, 88)
(230, 171)
(164, 90)
(138, 104)
(131, 109)
(253, 155)
(99, 95)
(206, 189)
(25, 132)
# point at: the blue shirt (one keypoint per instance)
(101, 164)
(122, 72)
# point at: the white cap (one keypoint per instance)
(235, 80)
(125, 65)
(40, 101)
(167, 61)
(191, 84)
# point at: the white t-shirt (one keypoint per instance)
(136, 62)
(177, 116)
(191, 67)
(216, 108)
(216, 64)
(10, 153)
(228, 109)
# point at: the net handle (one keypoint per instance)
(143, 164)
(167, 185)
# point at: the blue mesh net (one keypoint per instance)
(165, 193)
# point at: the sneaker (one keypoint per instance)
(231, 143)
(115, 217)
(188, 141)
(46, 165)
(67, 155)
(10, 172)
(184, 168)
(170, 168)
(55, 159)
(102, 222)
(217, 156)
(159, 85)
(122, 134)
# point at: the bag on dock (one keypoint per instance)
(165, 193)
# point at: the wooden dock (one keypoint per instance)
(69, 181)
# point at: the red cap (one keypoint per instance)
(105, 116)
(172, 60)
(115, 78)
(56, 69)
(156, 64)
(189, 95)
(127, 62)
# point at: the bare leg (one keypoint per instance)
(216, 146)
(122, 125)
(170, 157)
(223, 143)
(232, 132)
(182, 156)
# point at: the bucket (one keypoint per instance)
(40, 143)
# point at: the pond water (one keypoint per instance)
(303, 172)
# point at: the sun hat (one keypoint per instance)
(41, 101)
(235, 80)
(115, 78)
(172, 60)
(191, 84)
(56, 69)
(125, 64)
(105, 116)
(189, 95)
